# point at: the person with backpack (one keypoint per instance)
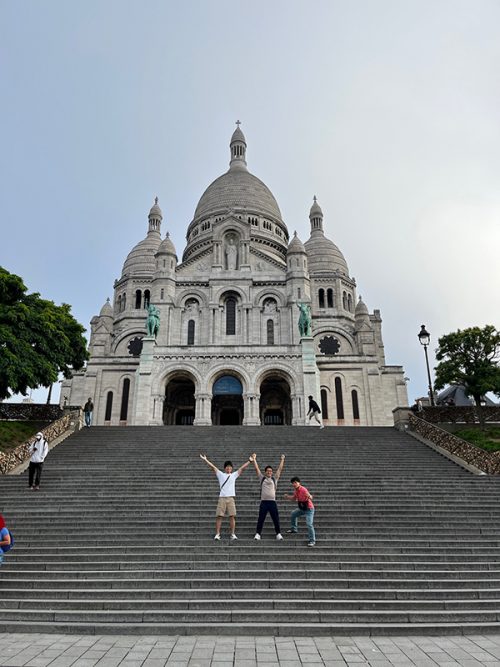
(38, 450)
(305, 508)
(314, 411)
(268, 505)
(227, 483)
(6, 539)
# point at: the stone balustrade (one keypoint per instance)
(488, 462)
(30, 412)
(15, 457)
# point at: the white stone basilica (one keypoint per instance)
(228, 349)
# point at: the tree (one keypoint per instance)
(470, 358)
(38, 340)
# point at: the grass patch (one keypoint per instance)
(488, 439)
(14, 433)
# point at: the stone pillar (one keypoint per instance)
(298, 412)
(203, 410)
(310, 373)
(143, 404)
(251, 409)
(157, 418)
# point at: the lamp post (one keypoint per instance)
(424, 338)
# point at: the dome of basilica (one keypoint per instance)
(141, 259)
(239, 190)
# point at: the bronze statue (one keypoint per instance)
(153, 320)
(304, 319)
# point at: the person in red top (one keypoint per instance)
(305, 509)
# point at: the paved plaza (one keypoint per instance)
(52, 650)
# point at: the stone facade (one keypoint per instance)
(228, 349)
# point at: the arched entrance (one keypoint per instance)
(179, 405)
(227, 401)
(275, 401)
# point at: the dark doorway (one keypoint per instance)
(275, 401)
(227, 401)
(179, 406)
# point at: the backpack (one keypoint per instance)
(8, 547)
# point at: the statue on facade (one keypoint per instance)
(153, 320)
(304, 319)
(231, 254)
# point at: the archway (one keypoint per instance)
(179, 405)
(227, 401)
(275, 401)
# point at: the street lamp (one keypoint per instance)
(425, 338)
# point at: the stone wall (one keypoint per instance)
(15, 457)
(488, 462)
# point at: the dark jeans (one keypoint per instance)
(271, 507)
(35, 473)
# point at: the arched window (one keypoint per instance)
(349, 303)
(231, 316)
(270, 332)
(324, 403)
(119, 302)
(321, 298)
(191, 325)
(147, 298)
(124, 405)
(138, 298)
(329, 298)
(109, 406)
(338, 398)
(344, 300)
(124, 302)
(355, 404)
(162, 294)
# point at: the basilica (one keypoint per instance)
(227, 347)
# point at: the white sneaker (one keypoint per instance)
(233, 537)
(257, 536)
(279, 536)
(311, 544)
(217, 537)
(322, 426)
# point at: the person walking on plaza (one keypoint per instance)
(314, 411)
(38, 450)
(268, 484)
(305, 508)
(88, 409)
(226, 503)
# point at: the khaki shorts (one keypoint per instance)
(226, 504)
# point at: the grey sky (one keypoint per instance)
(388, 111)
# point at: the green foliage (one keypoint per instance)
(14, 433)
(470, 358)
(488, 439)
(38, 340)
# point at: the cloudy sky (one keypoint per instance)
(387, 110)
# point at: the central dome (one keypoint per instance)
(237, 189)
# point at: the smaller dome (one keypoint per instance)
(361, 308)
(155, 211)
(106, 310)
(296, 245)
(323, 255)
(141, 259)
(315, 211)
(167, 247)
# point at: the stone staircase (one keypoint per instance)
(120, 538)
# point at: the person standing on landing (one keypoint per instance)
(227, 483)
(268, 484)
(88, 409)
(38, 450)
(314, 411)
(305, 508)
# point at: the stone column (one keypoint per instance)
(143, 403)
(310, 373)
(298, 413)
(203, 409)
(251, 409)
(157, 419)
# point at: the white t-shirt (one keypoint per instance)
(229, 489)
